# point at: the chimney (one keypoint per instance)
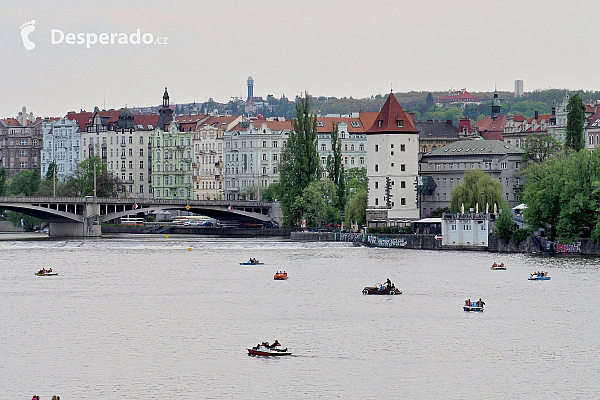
(537, 114)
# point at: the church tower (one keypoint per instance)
(165, 113)
(495, 106)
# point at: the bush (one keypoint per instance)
(519, 235)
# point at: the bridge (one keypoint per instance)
(84, 216)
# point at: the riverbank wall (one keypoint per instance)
(194, 231)
(531, 245)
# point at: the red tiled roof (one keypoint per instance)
(327, 124)
(590, 109)
(368, 118)
(12, 122)
(392, 119)
(457, 96)
(146, 120)
(545, 117)
(490, 125)
(222, 122)
(272, 125)
(83, 119)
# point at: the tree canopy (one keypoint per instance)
(574, 138)
(477, 188)
(299, 165)
(563, 195)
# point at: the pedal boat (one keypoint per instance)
(535, 277)
(46, 273)
(251, 263)
(267, 352)
(280, 277)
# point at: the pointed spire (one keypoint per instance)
(392, 119)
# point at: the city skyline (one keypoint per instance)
(328, 49)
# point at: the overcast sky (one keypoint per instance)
(331, 48)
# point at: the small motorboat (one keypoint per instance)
(250, 262)
(497, 267)
(46, 273)
(267, 350)
(539, 276)
(280, 276)
(381, 289)
(473, 305)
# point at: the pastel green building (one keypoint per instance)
(172, 152)
(172, 163)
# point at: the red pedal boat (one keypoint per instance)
(280, 276)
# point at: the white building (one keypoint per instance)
(467, 229)
(392, 167)
(61, 145)
(208, 157)
(252, 153)
(122, 141)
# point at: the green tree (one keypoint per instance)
(356, 180)
(3, 189)
(25, 183)
(505, 226)
(477, 188)
(28, 223)
(299, 164)
(356, 210)
(575, 117)
(309, 205)
(335, 168)
(271, 193)
(82, 184)
(539, 147)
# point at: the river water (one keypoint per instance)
(143, 317)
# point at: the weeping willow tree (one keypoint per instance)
(478, 188)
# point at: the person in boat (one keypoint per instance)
(284, 273)
(494, 265)
(502, 264)
(480, 303)
(50, 270)
(388, 283)
(468, 302)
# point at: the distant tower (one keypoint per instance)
(165, 113)
(495, 106)
(250, 83)
(518, 88)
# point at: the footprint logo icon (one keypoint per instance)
(26, 29)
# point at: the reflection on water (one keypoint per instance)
(143, 317)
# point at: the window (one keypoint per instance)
(323, 147)
(451, 182)
(141, 188)
(503, 165)
(376, 201)
(403, 201)
(402, 147)
(23, 153)
(131, 152)
(399, 123)
(444, 182)
(403, 184)
(392, 165)
(402, 167)
(362, 161)
(392, 153)
(142, 152)
(141, 142)
(264, 143)
(130, 164)
(141, 176)
(376, 185)
(376, 168)
(376, 147)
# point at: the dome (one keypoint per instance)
(260, 116)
